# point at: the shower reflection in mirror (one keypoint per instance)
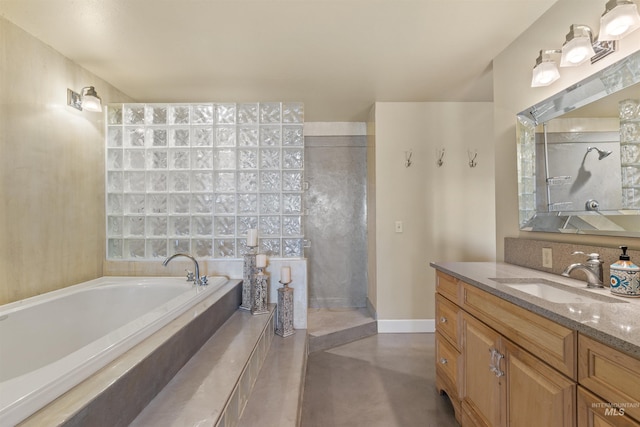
(573, 175)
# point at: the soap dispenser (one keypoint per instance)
(625, 280)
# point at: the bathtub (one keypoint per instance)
(52, 342)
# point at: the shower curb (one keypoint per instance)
(343, 336)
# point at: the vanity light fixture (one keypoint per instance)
(87, 99)
(620, 18)
(545, 71)
(578, 47)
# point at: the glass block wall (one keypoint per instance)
(630, 152)
(526, 170)
(195, 177)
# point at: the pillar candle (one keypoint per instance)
(261, 260)
(285, 274)
(252, 237)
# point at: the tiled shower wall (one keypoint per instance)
(195, 177)
(336, 224)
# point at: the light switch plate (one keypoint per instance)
(547, 258)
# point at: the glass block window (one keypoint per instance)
(195, 177)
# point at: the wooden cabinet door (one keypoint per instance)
(483, 394)
(596, 412)
(537, 394)
(611, 374)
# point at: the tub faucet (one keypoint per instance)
(592, 268)
(202, 281)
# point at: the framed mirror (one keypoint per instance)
(579, 156)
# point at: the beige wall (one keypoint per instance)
(51, 170)
(512, 94)
(447, 212)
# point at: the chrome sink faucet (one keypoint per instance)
(202, 281)
(592, 268)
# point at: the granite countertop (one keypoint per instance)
(614, 323)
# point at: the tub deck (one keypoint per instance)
(235, 390)
(132, 380)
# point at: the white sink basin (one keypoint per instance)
(555, 292)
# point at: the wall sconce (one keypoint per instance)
(578, 47)
(87, 99)
(545, 71)
(620, 18)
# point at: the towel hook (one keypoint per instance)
(407, 158)
(472, 160)
(440, 156)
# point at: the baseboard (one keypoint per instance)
(406, 326)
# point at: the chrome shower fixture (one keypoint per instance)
(601, 153)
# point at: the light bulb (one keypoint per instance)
(577, 55)
(618, 26)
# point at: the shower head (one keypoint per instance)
(601, 153)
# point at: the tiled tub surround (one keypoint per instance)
(214, 387)
(195, 177)
(116, 394)
(615, 324)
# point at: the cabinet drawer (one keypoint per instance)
(447, 286)
(594, 411)
(551, 342)
(609, 373)
(447, 322)
(447, 362)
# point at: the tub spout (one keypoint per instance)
(202, 281)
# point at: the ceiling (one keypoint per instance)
(336, 56)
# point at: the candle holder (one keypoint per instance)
(248, 277)
(284, 319)
(259, 293)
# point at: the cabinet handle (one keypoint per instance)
(494, 365)
(443, 319)
(443, 361)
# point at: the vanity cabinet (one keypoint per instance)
(516, 368)
(501, 383)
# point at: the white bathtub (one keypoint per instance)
(52, 342)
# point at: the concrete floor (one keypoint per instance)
(385, 380)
